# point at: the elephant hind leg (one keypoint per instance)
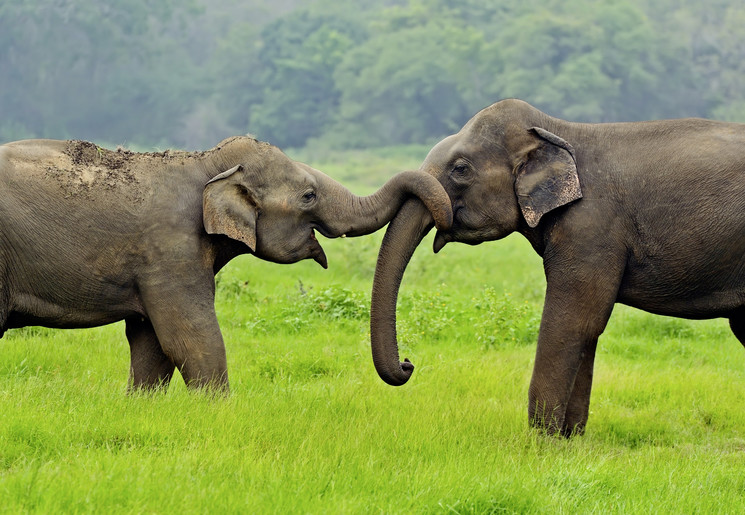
(3, 316)
(4, 308)
(150, 368)
(737, 324)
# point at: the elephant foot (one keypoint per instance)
(570, 430)
(547, 421)
(153, 378)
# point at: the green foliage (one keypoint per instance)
(334, 303)
(298, 57)
(78, 69)
(502, 320)
(427, 317)
(355, 75)
(422, 92)
(591, 62)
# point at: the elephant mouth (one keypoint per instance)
(441, 239)
(323, 230)
(464, 230)
(316, 251)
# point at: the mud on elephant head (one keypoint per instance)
(90, 236)
(649, 214)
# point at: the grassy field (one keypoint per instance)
(309, 428)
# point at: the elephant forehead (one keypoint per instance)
(442, 152)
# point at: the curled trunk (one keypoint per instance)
(404, 234)
(356, 216)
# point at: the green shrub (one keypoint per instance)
(505, 321)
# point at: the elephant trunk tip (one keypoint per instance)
(441, 210)
(397, 377)
(444, 219)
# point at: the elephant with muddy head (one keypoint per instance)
(648, 214)
(90, 236)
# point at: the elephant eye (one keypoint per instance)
(309, 196)
(460, 171)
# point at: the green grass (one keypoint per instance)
(309, 428)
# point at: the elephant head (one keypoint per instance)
(504, 171)
(274, 205)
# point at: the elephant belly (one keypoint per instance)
(29, 310)
(712, 305)
(64, 293)
(697, 293)
(693, 265)
(55, 280)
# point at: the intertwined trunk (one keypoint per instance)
(351, 215)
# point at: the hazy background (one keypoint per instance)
(360, 74)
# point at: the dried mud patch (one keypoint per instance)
(92, 169)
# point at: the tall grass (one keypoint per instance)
(309, 428)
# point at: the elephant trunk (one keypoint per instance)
(404, 234)
(357, 216)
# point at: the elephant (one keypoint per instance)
(90, 236)
(647, 214)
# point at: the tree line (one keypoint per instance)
(355, 74)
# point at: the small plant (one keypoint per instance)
(333, 303)
(340, 303)
(431, 316)
(505, 321)
(232, 288)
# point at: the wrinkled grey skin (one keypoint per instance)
(648, 214)
(90, 236)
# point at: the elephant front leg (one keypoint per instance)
(554, 373)
(183, 317)
(575, 313)
(150, 368)
(578, 407)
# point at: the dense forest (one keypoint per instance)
(355, 74)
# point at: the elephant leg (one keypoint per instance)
(150, 368)
(737, 324)
(183, 317)
(578, 305)
(4, 302)
(3, 317)
(578, 407)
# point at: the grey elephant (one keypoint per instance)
(90, 236)
(649, 214)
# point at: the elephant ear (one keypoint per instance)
(548, 178)
(228, 208)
